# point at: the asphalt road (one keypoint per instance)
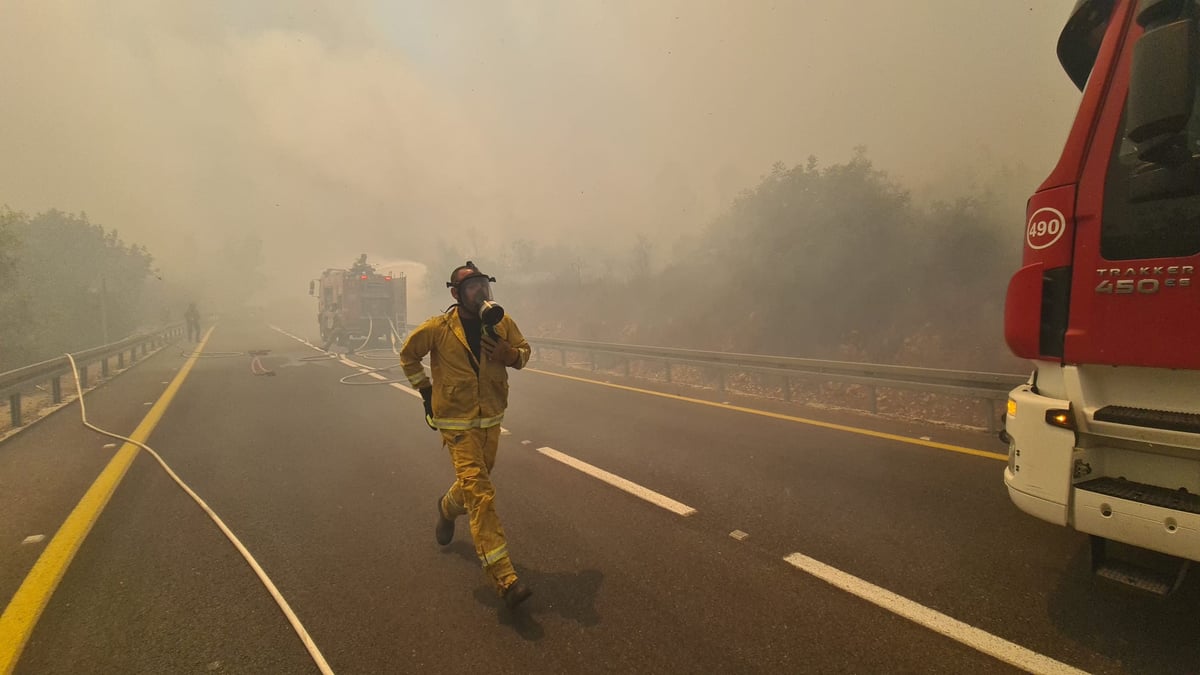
(331, 488)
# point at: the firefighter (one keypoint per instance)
(470, 348)
(324, 319)
(336, 330)
(192, 315)
(328, 319)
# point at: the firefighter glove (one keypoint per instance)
(498, 349)
(427, 397)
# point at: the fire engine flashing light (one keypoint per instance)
(387, 278)
(363, 277)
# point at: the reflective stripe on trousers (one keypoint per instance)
(451, 424)
(473, 452)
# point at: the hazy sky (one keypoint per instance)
(332, 128)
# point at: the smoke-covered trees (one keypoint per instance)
(840, 261)
(825, 262)
(13, 307)
(64, 284)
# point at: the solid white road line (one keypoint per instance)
(999, 648)
(618, 482)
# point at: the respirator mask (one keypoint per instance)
(475, 296)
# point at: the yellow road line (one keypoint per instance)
(26, 606)
(790, 418)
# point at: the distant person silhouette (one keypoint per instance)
(193, 322)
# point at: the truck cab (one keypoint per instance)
(1105, 435)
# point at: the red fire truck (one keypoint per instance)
(1105, 436)
(372, 306)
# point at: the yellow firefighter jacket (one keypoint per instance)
(462, 397)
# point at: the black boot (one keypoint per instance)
(516, 593)
(444, 531)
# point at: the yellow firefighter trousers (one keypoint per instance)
(473, 452)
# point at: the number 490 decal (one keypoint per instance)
(1045, 228)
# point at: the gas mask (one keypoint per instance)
(475, 296)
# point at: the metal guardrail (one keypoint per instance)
(13, 382)
(982, 386)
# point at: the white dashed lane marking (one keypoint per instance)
(621, 483)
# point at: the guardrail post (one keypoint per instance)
(721, 380)
(592, 355)
(83, 373)
(874, 394)
(564, 358)
(56, 389)
(14, 409)
(132, 356)
(104, 367)
(626, 367)
(120, 359)
(668, 370)
(787, 388)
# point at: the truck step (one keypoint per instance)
(1141, 578)
(1162, 580)
(1153, 419)
(1179, 500)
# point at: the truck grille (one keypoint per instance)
(1178, 500)
(1154, 419)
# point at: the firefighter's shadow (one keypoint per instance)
(571, 595)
